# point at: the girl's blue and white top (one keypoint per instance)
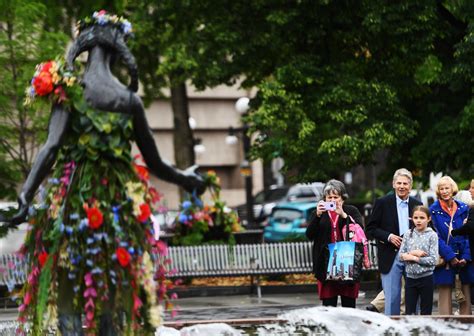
(426, 241)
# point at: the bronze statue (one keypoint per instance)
(90, 250)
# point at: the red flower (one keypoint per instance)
(155, 195)
(46, 66)
(95, 218)
(42, 257)
(145, 213)
(43, 83)
(142, 172)
(59, 91)
(123, 256)
(102, 12)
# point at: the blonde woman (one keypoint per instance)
(448, 214)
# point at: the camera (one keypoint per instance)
(330, 206)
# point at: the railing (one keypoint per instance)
(213, 260)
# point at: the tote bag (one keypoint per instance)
(345, 260)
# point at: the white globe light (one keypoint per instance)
(192, 122)
(242, 105)
(199, 148)
(231, 140)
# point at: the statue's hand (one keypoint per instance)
(194, 181)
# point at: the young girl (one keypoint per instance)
(419, 251)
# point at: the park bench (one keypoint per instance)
(247, 259)
(215, 261)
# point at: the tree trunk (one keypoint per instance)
(182, 134)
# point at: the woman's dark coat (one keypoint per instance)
(319, 231)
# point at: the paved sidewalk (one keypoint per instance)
(241, 306)
(247, 306)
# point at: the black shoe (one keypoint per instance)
(372, 308)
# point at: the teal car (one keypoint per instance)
(288, 221)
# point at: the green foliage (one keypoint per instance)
(24, 43)
(337, 81)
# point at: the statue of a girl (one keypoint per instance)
(90, 249)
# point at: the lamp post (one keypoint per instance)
(242, 106)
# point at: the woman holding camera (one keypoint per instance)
(325, 227)
(448, 214)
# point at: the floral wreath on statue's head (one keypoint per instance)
(102, 18)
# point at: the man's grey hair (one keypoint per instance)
(335, 187)
(403, 172)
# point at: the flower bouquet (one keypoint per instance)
(198, 223)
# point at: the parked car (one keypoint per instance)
(264, 201)
(288, 221)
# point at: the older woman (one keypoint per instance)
(448, 214)
(326, 227)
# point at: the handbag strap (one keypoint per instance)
(334, 226)
(347, 226)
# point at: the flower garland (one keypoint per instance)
(52, 81)
(102, 18)
(198, 223)
(96, 229)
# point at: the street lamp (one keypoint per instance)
(242, 106)
(199, 148)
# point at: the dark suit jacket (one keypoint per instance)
(319, 231)
(467, 230)
(384, 221)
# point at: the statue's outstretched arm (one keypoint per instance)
(58, 125)
(188, 179)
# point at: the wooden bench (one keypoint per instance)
(216, 261)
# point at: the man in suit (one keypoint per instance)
(389, 220)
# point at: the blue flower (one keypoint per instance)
(62, 227)
(102, 20)
(74, 216)
(186, 205)
(83, 224)
(199, 203)
(123, 244)
(71, 275)
(69, 230)
(98, 236)
(126, 27)
(182, 218)
(76, 288)
(53, 181)
(31, 211)
(89, 263)
(90, 241)
(131, 250)
(97, 270)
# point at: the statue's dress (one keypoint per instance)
(91, 248)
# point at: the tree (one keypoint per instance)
(24, 43)
(338, 81)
